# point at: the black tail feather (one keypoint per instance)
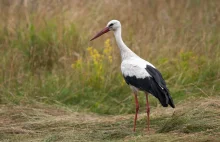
(162, 94)
(171, 101)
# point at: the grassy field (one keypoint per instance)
(193, 121)
(55, 85)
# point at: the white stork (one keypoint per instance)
(139, 74)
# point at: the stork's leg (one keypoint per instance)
(137, 108)
(148, 112)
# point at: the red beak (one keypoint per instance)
(105, 30)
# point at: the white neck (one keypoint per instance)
(125, 51)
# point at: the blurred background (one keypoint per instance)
(46, 55)
(56, 85)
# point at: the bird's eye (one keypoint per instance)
(111, 25)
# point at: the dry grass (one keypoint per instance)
(197, 121)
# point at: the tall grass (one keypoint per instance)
(46, 55)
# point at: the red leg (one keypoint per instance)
(136, 112)
(148, 112)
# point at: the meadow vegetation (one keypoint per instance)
(47, 58)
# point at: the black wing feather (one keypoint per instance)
(162, 91)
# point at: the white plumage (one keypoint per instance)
(135, 66)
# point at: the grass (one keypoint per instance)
(48, 61)
(197, 121)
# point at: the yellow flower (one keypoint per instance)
(94, 54)
(96, 61)
(77, 64)
(89, 49)
(108, 51)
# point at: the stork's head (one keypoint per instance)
(112, 25)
